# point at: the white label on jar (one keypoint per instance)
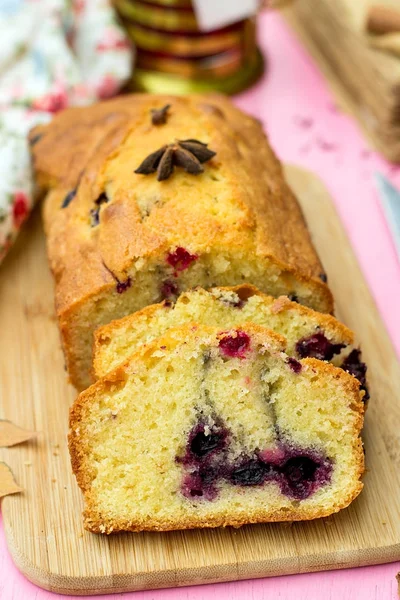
(213, 14)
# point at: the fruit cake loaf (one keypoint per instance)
(307, 333)
(207, 428)
(144, 201)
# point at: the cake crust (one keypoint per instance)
(88, 151)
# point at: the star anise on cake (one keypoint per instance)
(188, 154)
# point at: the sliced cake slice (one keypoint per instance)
(308, 333)
(207, 428)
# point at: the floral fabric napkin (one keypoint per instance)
(55, 53)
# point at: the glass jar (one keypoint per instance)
(174, 56)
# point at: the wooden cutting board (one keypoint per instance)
(43, 525)
(364, 80)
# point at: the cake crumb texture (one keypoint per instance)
(207, 427)
(225, 308)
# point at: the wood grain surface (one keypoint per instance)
(365, 80)
(43, 525)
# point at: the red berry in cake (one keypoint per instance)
(200, 485)
(181, 259)
(294, 365)
(318, 346)
(20, 208)
(169, 289)
(235, 345)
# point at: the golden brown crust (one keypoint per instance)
(98, 523)
(94, 521)
(75, 146)
(97, 148)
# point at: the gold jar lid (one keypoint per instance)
(153, 82)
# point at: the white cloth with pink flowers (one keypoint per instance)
(54, 53)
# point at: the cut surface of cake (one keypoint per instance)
(308, 333)
(207, 428)
(138, 211)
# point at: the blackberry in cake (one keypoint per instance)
(137, 212)
(308, 333)
(207, 427)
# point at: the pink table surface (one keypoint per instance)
(306, 128)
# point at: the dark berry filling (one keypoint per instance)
(235, 346)
(298, 477)
(354, 365)
(323, 277)
(303, 472)
(169, 289)
(68, 198)
(293, 297)
(200, 484)
(251, 472)
(201, 462)
(181, 259)
(203, 443)
(318, 346)
(298, 472)
(122, 286)
(294, 365)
